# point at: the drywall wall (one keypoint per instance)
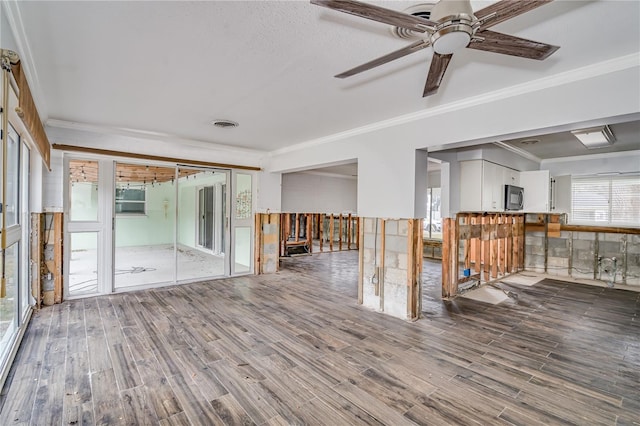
(514, 112)
(268, 192)
(52, 183)
(619, 162)
(158, 145)
(307, 192)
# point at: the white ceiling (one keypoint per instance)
(565, 144)
(172, 67)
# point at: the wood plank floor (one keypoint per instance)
(295, 348)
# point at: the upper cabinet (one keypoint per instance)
(482, 185)
(536, 186)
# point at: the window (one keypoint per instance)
(433, 221)
(131, 200)
(606, 200)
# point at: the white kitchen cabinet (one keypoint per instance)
(536, 190)
(482, 185)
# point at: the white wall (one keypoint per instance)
(52, 183)
(550, 104)
(158, 146)
(268, 192)
(306, 192)
(620, 162)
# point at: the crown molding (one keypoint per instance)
(150, 135)
(579, 74)
(14, 18)
(327, 174)
(519, 151)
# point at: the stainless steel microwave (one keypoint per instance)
(513, 197)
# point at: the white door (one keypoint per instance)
(88, 225)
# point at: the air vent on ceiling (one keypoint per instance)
(224, 123)
(422, 10)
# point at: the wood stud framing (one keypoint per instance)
(340, 232)
(490, 245)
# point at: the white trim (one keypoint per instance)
(518, 151)
(150, 135)
(15, 345)
(579, 74)
(327, 174)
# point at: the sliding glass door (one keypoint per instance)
(134, 225)
(202, 223)
(144, 209)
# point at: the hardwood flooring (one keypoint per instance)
(295, 348)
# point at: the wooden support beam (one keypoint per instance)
(412, 260)
(349, 232)
(257, 245)
(478, 244)
(379, 288)
(360, 262)
(449, 259)
(331, 232)
(320, 231)
(467, 243)
(358, 233)
(494, 245)
(37, 257)
(297, 227)
(501, 244)
(309, 232)
(341, 233)
(57, 256)
(486, 248)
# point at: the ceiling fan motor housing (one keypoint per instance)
(455, 27)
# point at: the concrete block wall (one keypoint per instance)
(270, 232)
(586, 255)
(388, 262)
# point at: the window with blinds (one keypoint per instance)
(606, 200)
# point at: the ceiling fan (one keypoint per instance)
(452, 26)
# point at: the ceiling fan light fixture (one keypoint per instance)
(595, 137)
(450, 40)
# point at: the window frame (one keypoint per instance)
(609, 180)
(117, 201)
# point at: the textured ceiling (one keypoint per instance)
(173, 67)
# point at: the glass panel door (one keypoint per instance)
(144, 217)
(9, 300)
(84, 228)
(202, 223)
(242, 224)
(205, 217)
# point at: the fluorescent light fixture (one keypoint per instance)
(595, 137)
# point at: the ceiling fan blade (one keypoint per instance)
(507, 9)
(377, 13)
(439, 65)
(510, 45)
(418, 45)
